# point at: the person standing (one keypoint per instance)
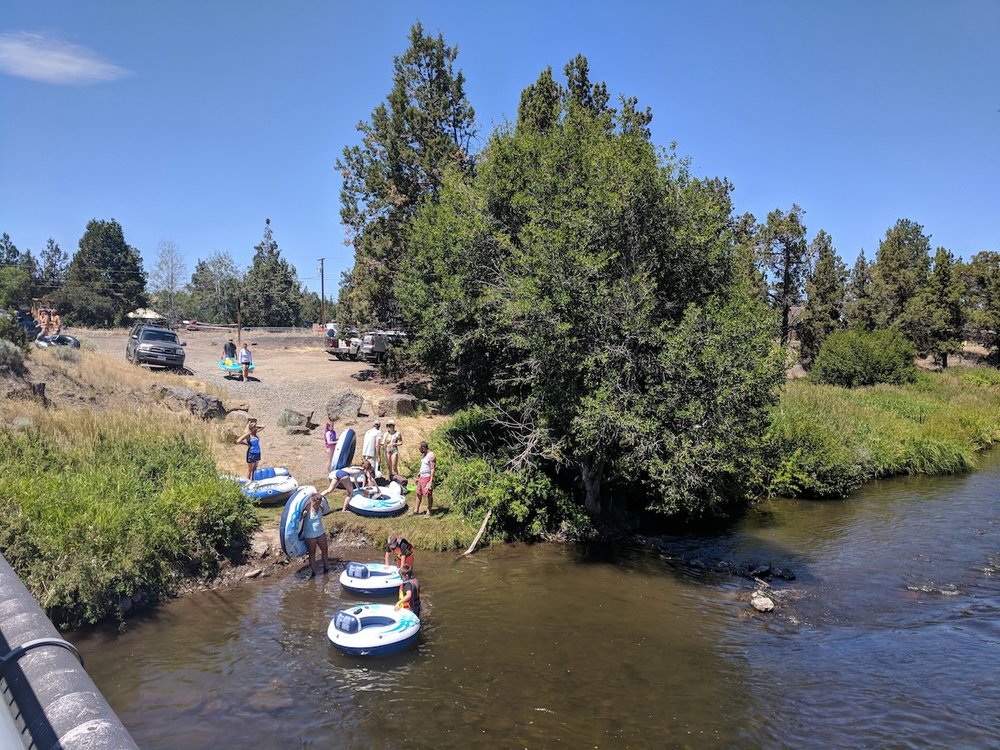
(245, 359)
(392, 439)
(314, 533)
(252, 442)
(425, 479)
(370, 444)
(329, 442)
(409, 591)
(229, 350)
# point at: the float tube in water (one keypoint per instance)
(372, 579)
(373, 629)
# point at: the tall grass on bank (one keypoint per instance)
(97, 507)
(826, 441)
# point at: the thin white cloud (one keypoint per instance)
(40, 57)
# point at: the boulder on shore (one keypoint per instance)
(177, 398)
(292, 418)
(344, 405)
(400, 405)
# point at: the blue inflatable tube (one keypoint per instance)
(373, 629)
(371, 579)
(271, 471)
(288, 528)
(343, 454)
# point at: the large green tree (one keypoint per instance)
(425, 126)
(859, 308)
(54, 265)
(899, 274)
(214, 289)
(982, 309)
(271, 293)
(590, 288)
(105, 279)
(784, 256)
(823, 311)
(9, 254)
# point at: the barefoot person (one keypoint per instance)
(314, 533)
(425, 479)
(329, 442)
(392, 439)
(245, 359)
(252, 442)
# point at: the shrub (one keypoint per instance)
(11, 357)
(856, 358)
(11, 332)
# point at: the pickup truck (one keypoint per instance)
(343, 348)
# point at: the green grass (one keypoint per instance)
(95, 508)
(825, 441)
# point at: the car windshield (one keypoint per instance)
(160, 336)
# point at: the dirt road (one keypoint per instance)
(292, 371)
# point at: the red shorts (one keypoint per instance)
(423, 487)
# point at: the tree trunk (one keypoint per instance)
(592, 475)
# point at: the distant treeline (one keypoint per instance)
(105, 280)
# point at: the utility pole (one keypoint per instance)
(322, 295)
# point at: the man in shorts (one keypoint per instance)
(425, 479)
(370, 444)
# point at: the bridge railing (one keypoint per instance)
(49, 700)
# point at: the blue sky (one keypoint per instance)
(192, 121)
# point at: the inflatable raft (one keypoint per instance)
(373, 629)
(372, 579)
(271, 490)
(268, 472)
(231, 365)
(343, 453)
(388, 502)
(288, 528)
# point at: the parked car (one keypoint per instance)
(154, 345)
(345, 347)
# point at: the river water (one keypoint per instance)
(888, 637)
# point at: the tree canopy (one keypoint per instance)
(591, 290)
(271, 293)
(105, 279)
(425, 126)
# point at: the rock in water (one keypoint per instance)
(760, 602)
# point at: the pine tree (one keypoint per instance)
(271, 293)
(782, 247)
(9, 254)
(824, 307)
(214, 289)
(54, 266)
(425, 126)
(934, 317)
(859, 309)
(105, 279)
(900, 272)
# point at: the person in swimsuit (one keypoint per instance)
(252, 442)
(392, 440)
(329, 442)
(314, 533)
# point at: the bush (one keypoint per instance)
(474, 471)
(11, 332)
(96, 508)
(825, 441)
(11, 357)
(856, 358)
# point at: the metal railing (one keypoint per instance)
(49, 700)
